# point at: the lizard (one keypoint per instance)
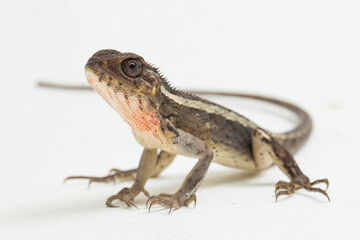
(181, 123)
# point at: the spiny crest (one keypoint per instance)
(161, 75)
(157, 71)
(152, 66)
(171, 88)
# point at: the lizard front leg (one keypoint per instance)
(266, 149)
(163, 160)
(143, 172)
(188, 145)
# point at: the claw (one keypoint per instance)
(150, 200)
(286, 192)
(171, 201)
(155, 202)
(291, 187)
(326, 181)
(195, 202)
(190, 200)
(110, 200)
(281, 185)
(127, 203)
(311, 189)
(282, 193)
(125, 195)
(170, 209)
(130, 203)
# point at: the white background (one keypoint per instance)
(306, 52)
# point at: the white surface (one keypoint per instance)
(303, 51)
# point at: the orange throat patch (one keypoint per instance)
(144, 123)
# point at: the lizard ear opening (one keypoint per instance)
(155, 89)
(155, 85)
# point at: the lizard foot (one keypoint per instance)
(127, 195)
(113, 176)
(171, 201)
(286, 188)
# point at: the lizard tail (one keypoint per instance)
(63, 86)
(292, 140)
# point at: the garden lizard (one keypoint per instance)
(176, 122)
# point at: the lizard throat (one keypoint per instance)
(134, 111)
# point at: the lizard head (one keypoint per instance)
(123, 72)
(130, 86)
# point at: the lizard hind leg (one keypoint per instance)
(115, 175)
(267, 150)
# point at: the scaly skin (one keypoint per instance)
(177, 122)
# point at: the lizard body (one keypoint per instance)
(177, 122)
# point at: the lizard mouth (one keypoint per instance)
(91, 76)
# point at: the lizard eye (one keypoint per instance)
(132, 67)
